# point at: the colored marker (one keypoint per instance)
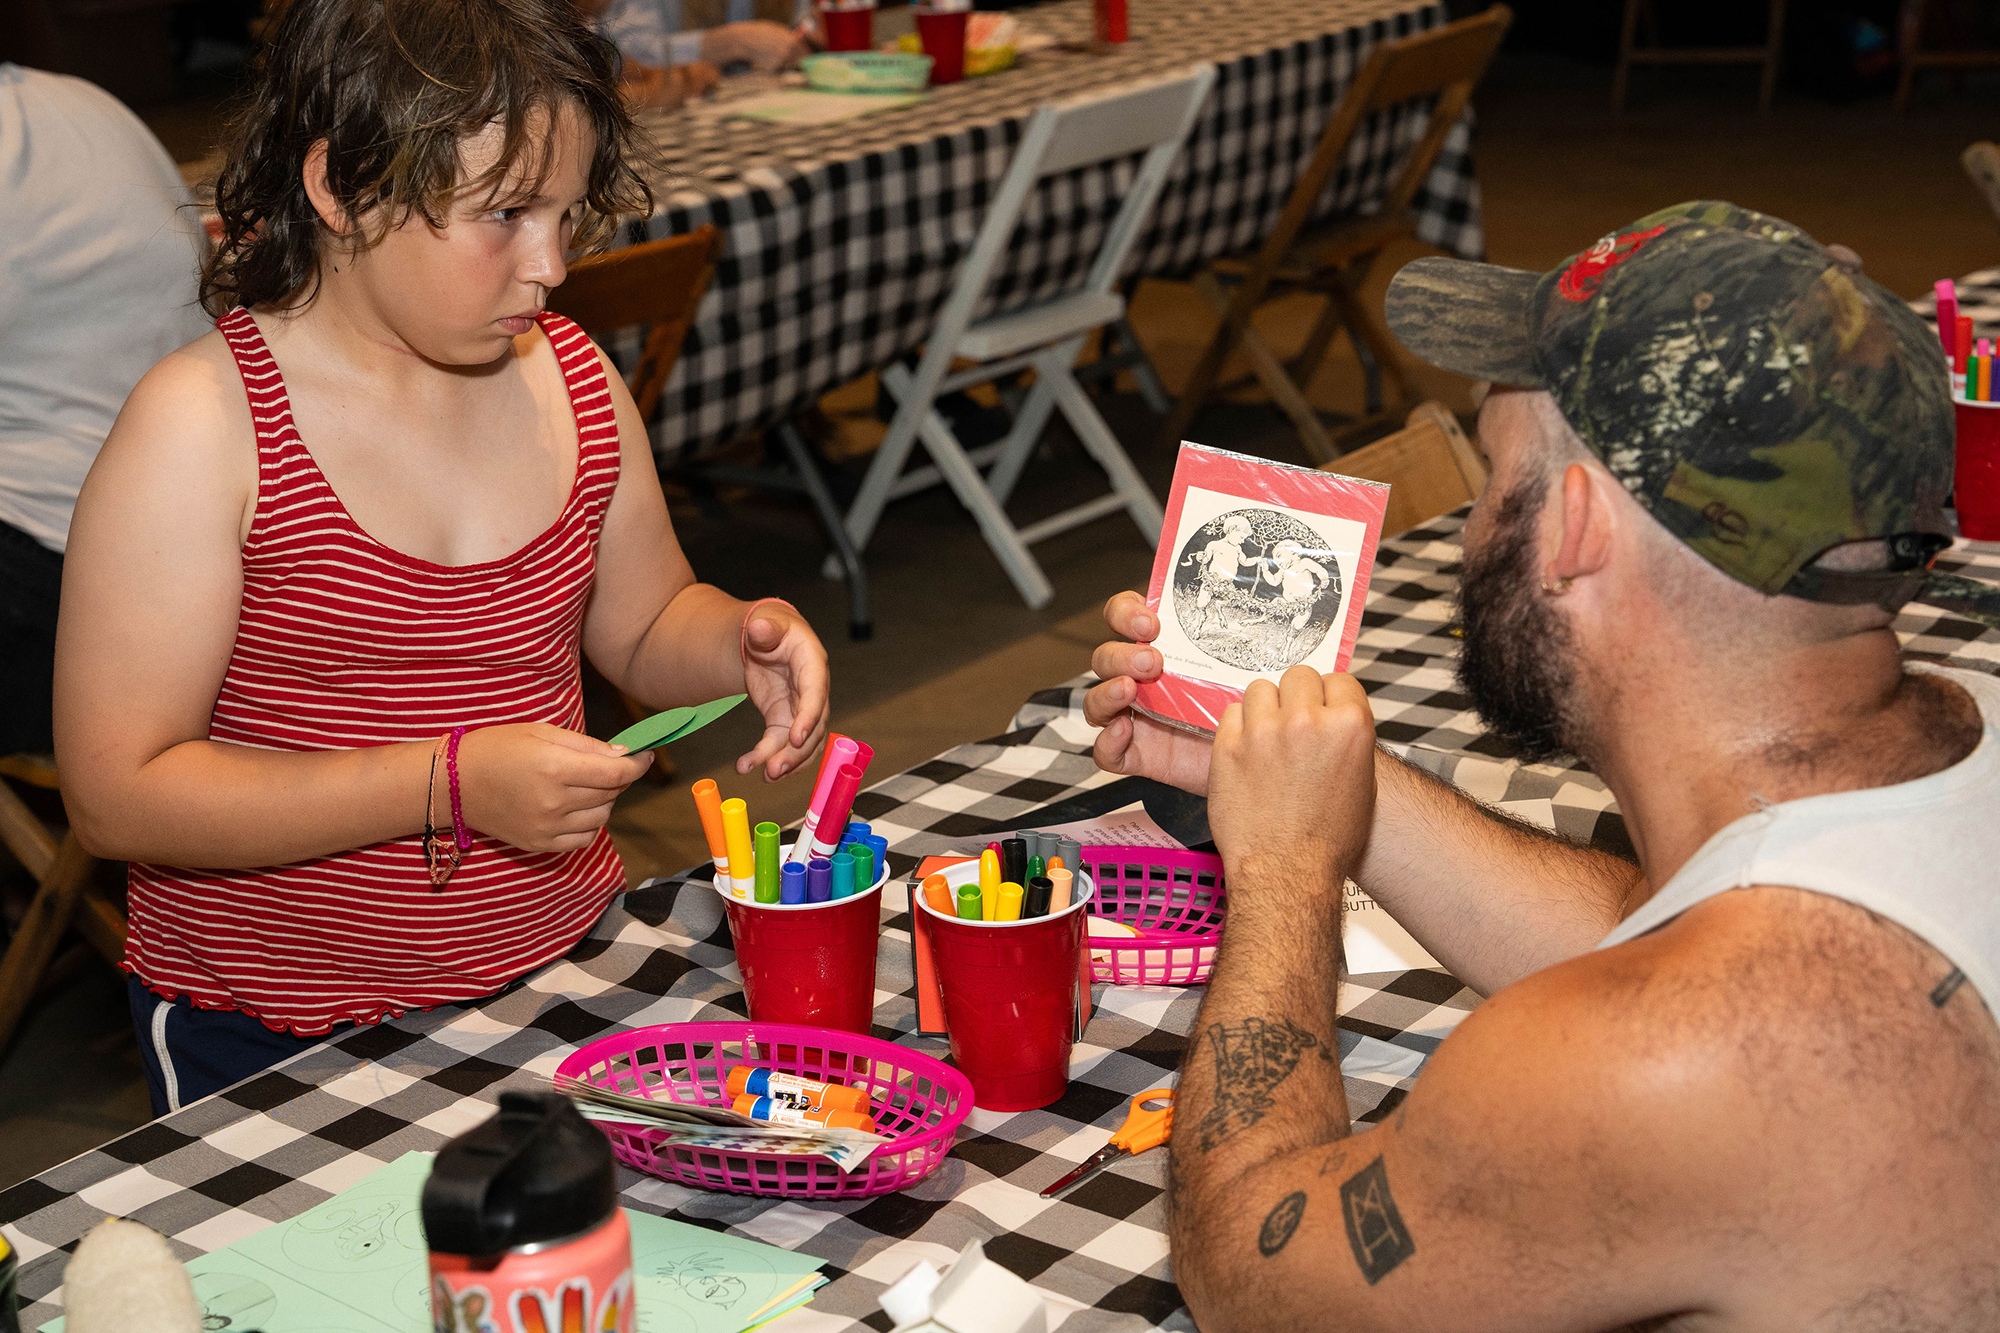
(857, 831)
(1009, 908)
(881, 847)
(1013, 859)
(864, 866)
(1986, 378)
(937, 892)
(1040, 891)
(989, 871)
(840, 752)
(1962, 345)
(843, 875)
(1059, 889)
(819, 880)
(708, 804)
(1071, 852)
(1947, 315)
(1036, 867)
(767, 862)
(792, 883)
(742, 868)
(968, 903)
(833, 819)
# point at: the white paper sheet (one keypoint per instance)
(1129, 826)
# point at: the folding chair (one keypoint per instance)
(1430, 466)
(1333, 260)
(1152, 117)
(1632, 52)
(64, 898)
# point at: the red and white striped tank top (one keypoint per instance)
(344, 643)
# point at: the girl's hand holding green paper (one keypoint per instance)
(538, 787)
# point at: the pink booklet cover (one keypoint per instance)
(1262, 566)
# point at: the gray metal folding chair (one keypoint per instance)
(1151, 117)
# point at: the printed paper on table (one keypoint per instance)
(1262, 566)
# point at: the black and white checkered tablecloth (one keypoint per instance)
(841, 240)
(279, 1143)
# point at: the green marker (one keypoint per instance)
(1036, 869)
(843, 875)
(968, 902)
(864, 866)
(767, 862)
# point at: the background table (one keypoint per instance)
(841, 240)
(279, 1143)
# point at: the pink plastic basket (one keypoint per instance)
(919, 1103)
(1176, 897)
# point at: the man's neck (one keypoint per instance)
(1687, 750)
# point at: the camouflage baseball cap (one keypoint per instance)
(1762, 398)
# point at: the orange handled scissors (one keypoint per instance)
(1145, 1127)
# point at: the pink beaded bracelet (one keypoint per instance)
(459, 835)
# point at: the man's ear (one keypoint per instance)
(1583, 545)
(332, 214)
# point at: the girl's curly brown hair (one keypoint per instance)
(394, 87)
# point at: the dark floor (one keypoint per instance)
(955, 651)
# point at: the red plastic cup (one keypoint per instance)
(848, 29)
(1009, 991)
(943, 36)
(810, 963)
(1976, 480)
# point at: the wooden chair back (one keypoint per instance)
(1430, 466)
(658, 283)
(1447, 62)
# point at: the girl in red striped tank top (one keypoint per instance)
(330, 575)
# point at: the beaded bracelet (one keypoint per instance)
(459, 834)
(441, 852)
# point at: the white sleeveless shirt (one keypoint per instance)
(1925, 854)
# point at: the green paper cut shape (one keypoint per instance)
(668, 727)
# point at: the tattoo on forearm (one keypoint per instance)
(1280, 1223)
(1375, 1228)
(1251, 1058)
(1947, 988)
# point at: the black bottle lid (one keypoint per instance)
(534, 1173)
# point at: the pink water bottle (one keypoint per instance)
(521, 1216)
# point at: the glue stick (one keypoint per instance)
(810, 1093)
(775, 1112)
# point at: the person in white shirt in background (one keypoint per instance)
(674, 50)
(99, 254)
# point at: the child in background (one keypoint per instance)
(330, 574)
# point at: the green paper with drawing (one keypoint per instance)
(357, 1264)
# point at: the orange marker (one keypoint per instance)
(708, 803)
(938, 894)
(1059, 897)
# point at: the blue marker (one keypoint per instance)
(856, 832)
(792, 888)
(819, 880)
(881, 846)
(843, 875)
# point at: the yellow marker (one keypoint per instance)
(1010, 903)
(989, 883)
(742, 868)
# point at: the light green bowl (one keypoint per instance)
(867, 72)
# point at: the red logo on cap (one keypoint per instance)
(1580, 280)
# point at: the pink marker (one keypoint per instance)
(839, 805)
(840, 753)
(1947, 317)
(1983, 347)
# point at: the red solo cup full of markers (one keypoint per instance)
(811, 962)
(941, 28)
(1009, 992)
(848, 25)
(1976, 480)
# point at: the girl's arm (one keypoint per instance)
(152, 585)
(667, 640)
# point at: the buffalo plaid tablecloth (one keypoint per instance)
(285, 1140)
(841, 239)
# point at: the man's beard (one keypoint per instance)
(1516, 662)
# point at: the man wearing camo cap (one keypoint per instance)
(1752, 1081)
